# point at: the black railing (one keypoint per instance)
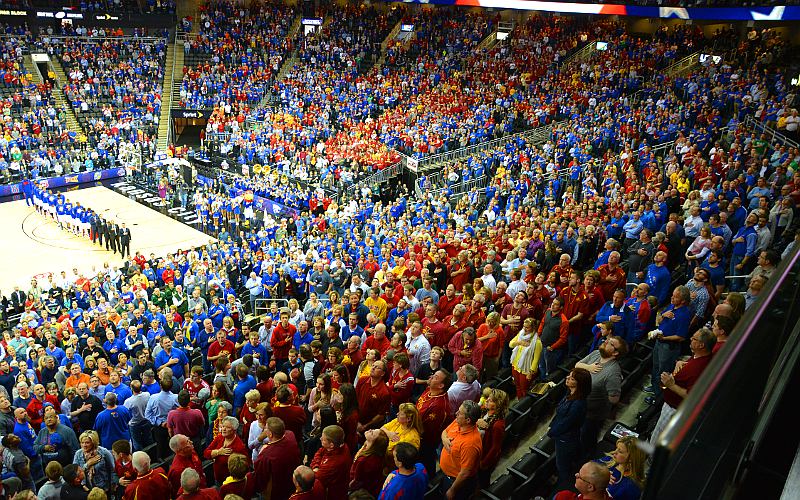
(711, 446)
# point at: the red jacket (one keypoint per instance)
(333, 471)
(281, 340)
(221, 461)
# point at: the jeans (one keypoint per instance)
(574, 341)
(567, 461)
(665, 355)
(428, 457)
(549, 361)
(737, 284)
(140, 435)
(37, 472)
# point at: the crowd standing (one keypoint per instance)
(385, 316)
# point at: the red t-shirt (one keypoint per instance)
(372, 401)
(686, 378)
(333, 471)
(216, 348)
(434, 412)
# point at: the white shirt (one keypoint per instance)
(419, 352)
(462, 391)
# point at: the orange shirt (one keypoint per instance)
(465, 451)
(73, 382)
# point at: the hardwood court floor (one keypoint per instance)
(32, 244)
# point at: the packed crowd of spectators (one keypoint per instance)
(114, 85)
(30, 119)
(385, 317)
(241, 51)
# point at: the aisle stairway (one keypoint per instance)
(290, 60)
(172, 70)
(58, 94)
(385, 45)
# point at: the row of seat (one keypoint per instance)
(530, 475)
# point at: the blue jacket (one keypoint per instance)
(122, 391)
(679, 325)
(621, 328)
(242, 387)
(569, 417)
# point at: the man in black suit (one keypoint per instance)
(102, 231)
(125, 240)
(112, 233)
(3, 306)
(18, 300)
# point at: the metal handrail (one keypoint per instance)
(261, 301)
(775, 136)
(538, 134)
(171, 88)
(377, 177)
(687, 62)
(429, 162)
(91, 39)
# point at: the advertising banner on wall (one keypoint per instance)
(65, 180)
(776, 13)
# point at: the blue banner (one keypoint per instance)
(776, 13)
(62, 181)
(259, 202)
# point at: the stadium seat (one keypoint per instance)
(152, 452)
(546, 445)
(555, 394)
(525, 466)
(502, 488)
(522, 405)
(208, 470)
(517, 429)
(507, 385)
(538, 483)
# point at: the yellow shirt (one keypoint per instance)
(378, 307)
(406, 435)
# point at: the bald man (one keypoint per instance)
(306, 485)
(150, 484)
(591, 482)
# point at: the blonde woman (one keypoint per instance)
(407, 428)
(492, 426)
(626, 464)
(295, 314)
(526, 351)
(96, 461)
(365, 367)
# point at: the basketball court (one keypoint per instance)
(33, 244)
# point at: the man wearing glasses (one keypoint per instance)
(676, 385)
(591, 482)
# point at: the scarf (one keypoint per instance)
(524, 355)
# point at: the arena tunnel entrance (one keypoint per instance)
(188, 126)
(190, 136)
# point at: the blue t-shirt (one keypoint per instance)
(112, 425)
(240, 390)
(402, 486)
